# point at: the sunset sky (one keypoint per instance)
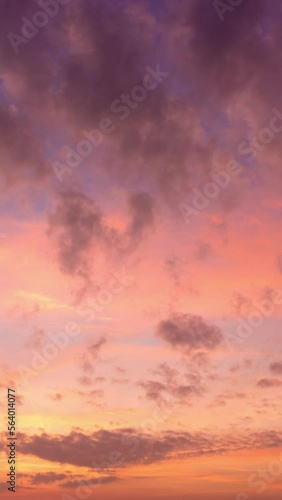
(140, 248)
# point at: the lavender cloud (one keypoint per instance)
(189, 332)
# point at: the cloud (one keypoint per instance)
(120, 380)
(241, 305)
(75, 90)
(223, 53)
(64, 480)
(21, 148)
(189, 332)
(95, 348)
(142, 216)
(154, 390)
(47, 477)
(107, 50)
(203, 251)
(174, 268)
(172, 388)
(56, 397)
(90, 354)
(166, 372)
(276, 367)
(85, 380)
(36, 339)
(91, 397)
(266, 383)
(222, 399)
(76, 224)
(133, 447)
(119, 369)
(78, 229)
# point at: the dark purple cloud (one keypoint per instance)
(107, 450)
(105, 52)
(189, 332)
(21, 151)
(141, 213)
(105, 48)
(76, 224)
(78, 230)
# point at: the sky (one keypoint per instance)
(140, 248)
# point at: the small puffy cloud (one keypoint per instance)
(56, 397)
(154, 390)
(189, 332)
(94, 349)
(84, 380)
(266, 383)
